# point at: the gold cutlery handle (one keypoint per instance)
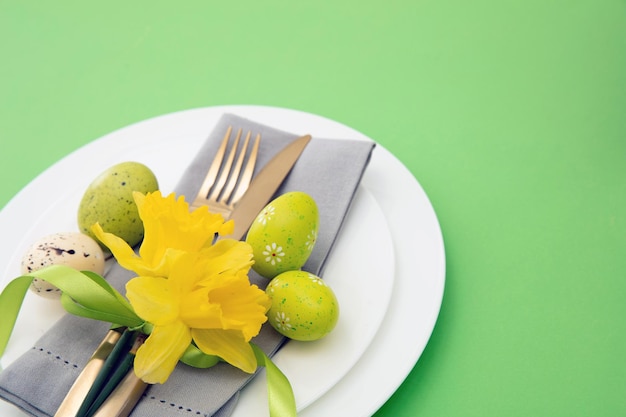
(72, 402)
(122, 401)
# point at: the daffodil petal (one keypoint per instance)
(159, 354)
(152, 299)
(118, 246)
(227, 228)
(141, 198)
(228, 255)
(229, 345)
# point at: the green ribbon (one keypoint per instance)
(11, 300)
(280, 396)
(85, 294)
(281, 400)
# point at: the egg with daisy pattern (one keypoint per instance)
(303, 307)
(284, 233)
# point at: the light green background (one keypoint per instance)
(511, 114)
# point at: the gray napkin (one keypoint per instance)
(329, 170)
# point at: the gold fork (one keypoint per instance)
(223, 178)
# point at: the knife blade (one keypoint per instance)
(264, 186)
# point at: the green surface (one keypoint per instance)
(509, 113)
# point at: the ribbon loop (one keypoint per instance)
(84, 294)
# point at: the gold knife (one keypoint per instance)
(264, 186)
(261, 190)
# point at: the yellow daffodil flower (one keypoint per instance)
(187, 288)
(188, 292)
(168, 225)
(207, 298)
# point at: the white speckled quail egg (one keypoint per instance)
(73, 249)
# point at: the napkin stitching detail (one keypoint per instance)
(55, 357)
(166, 403)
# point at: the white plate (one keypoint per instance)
(419, 275)
(361, 268)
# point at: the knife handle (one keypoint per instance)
(124, 398)
(74, 398)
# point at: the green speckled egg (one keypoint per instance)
(303, 307)
(109, 201)
(284, 233)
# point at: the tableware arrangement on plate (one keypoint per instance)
(115, 389)
(386, 266)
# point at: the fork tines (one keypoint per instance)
(229, 175)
